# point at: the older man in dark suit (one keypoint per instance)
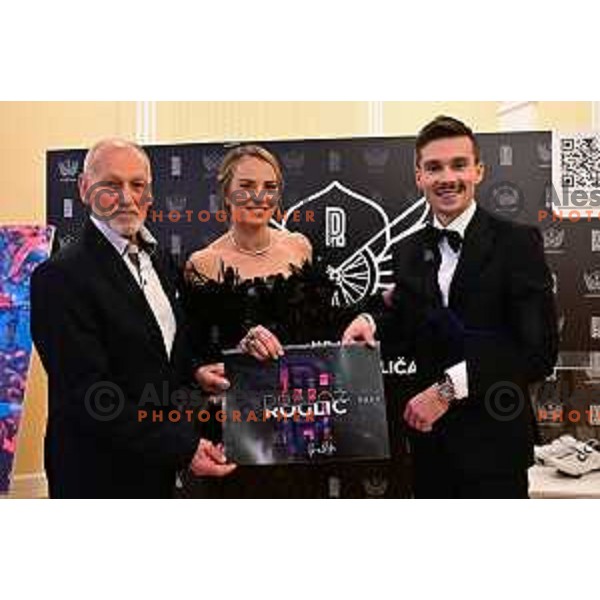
(107, 324)
(473, 303)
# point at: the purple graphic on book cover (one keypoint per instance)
(22, 248)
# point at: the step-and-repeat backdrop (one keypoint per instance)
(362, 197)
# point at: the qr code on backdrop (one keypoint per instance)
(580, 162)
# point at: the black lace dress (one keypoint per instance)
(297, 309)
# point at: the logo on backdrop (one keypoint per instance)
(554, 238)
(376, 159)
(175, 166)
(376, 484)
(293, 161)
(355, 241)
(506, 199)
(595, 328)
(506, 155)
(68, 170)
(335, 227)
(592, 283)
(176, 203)
(335, 161)
(544, 154)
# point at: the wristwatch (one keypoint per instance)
(445, 388)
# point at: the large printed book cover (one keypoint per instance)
(316, 404)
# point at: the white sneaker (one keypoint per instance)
(582, 459)
(559, 447)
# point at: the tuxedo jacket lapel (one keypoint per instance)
(120, 276)
(420, 270)
(477, 248)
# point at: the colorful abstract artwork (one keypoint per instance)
(22, 248)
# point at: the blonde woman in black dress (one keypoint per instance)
(255, 286)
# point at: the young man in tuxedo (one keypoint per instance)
(473, 303)
(106, 322)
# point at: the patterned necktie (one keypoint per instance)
(133, 254)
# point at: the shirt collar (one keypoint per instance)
(147, 240)
(461, 222)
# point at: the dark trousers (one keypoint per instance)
(438, 479)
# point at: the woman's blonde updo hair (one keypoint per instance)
(231, 159)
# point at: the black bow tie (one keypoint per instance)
(437, 235)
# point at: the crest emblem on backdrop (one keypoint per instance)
(355, 236)
(68, 169)
(553, 238)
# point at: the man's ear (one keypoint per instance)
(418, 177)
(480, 172)
(147, 198)
(83, 186)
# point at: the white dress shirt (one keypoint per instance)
(146, 277)
(457, 373)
